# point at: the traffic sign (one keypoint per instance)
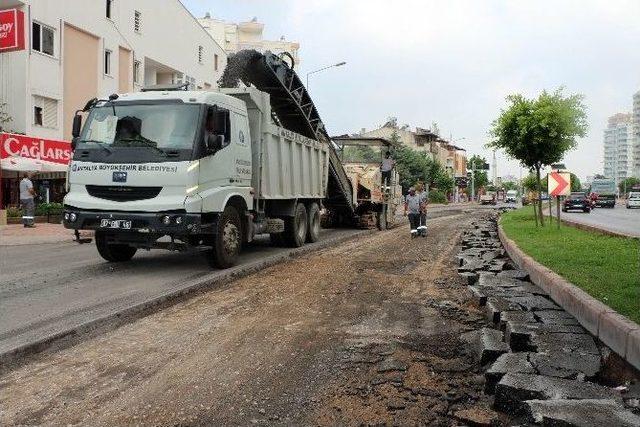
(559, 184)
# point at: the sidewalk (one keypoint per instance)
(17, 235)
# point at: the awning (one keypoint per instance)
(25, 153)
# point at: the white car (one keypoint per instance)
(633, 201)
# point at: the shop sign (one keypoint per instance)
(11, 30)
(44, 154)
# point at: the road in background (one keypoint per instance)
(618, 219)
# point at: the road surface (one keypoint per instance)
(48, 289)
(618, 219)
(300, 343)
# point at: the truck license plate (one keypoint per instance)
(115, 223)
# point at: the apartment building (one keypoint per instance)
(73, 50)
(234, 37)
(636, 135)
(450, 156)
(618, 147)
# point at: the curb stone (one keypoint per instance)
(616, 331)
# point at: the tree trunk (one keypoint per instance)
(535, 212)
(539, 195)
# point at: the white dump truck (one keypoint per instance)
(173, 169)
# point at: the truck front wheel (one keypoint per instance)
(113, 252)
(295, 228)
(228, 239)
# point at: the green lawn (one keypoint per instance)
(606, 267)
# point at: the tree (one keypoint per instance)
(510, 185)
(626, 184)
(530, 182)
(480, 176)
(539, 132)
(576, 185)
(361, 154)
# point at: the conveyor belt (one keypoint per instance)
(292, 109)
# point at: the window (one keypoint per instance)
(137, 21)
(108, 11)
(215, 62)
(200, 53)
(37, 115)
(107, 62)
(136, 71)
(45, 112)
(42, 38)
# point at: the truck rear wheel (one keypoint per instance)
(295, 228)
(313, 232)
(113, 252)
(228, 239)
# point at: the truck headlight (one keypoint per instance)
(166, 220)
(179, 220)
(66, 216)
(73, 217)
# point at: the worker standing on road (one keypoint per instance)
(412, 205)
(386, 167)
(27, 203)
(424, 201)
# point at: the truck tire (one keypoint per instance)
(382, 219)
(113, 252)
(295, 228)
(313, 227)
(228, 239)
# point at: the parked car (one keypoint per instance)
(577, 201)
(512, 196)
(633, 201)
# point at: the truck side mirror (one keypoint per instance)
(77, 125)
(215, 142)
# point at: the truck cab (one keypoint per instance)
(161, 163)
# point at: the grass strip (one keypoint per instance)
(606, 267)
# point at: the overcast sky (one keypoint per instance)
(453, 62)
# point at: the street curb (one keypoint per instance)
(594, 229)
(614, 330)
(16, 357)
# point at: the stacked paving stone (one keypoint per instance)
(540, 363)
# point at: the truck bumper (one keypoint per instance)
(178, 223)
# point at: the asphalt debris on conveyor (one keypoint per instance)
(540, 365)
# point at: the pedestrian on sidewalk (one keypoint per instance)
(412, 205)
(27, 203)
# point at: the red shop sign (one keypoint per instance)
(11, 30)
(20, 152)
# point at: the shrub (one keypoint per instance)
(13, 212)
(437, 196)
(49, 208)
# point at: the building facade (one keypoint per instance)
(636, 134)
(78, 50)
(618, 147)
(247, 35)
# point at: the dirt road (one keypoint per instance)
(366, 332)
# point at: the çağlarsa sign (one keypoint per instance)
(11, 30)
(20, 152)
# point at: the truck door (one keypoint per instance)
(240, 128)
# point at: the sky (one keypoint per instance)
(453, 62)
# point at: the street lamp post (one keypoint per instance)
(339, 64)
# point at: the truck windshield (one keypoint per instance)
(163, 126)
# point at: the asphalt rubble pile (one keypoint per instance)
(540, 365)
